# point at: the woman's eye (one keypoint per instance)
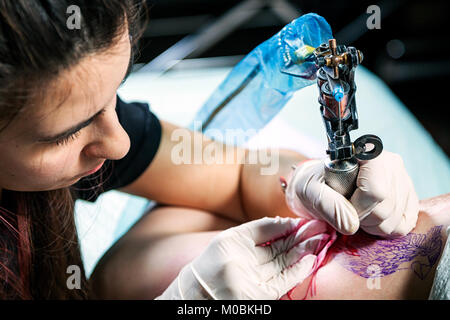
(75, 135)
(65, 140)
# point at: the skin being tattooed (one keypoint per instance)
(405, 267)
(369, 256)
(372, 257)
(363, 266)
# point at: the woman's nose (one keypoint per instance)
(111, 142)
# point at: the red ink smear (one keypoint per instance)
(321, 251)
(337, 243)
(344, 245)
(290, 292)
(322, 259)
(331, 245)
(300, 224)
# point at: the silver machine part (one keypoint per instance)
(341, 175)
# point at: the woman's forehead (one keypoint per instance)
(94, 79)
(79, 91)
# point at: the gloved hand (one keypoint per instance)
(383, 204)
(239, 263)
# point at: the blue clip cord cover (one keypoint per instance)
(261, 84)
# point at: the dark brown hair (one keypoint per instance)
(38, 238)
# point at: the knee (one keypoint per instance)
(124, 273)
(104, 278)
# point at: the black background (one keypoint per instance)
(419, 77)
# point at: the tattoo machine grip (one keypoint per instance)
(341, 175)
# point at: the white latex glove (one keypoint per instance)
(236, 266)
(385, 199)
(383, 204)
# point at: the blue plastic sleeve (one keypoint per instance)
(258, 87)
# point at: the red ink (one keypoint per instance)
(329, 246)
(268, 243)
(336, 243)
(290, 293)
(346, 246)
(322, 260)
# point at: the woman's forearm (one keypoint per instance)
(260, 189)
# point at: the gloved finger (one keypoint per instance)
(385, 208)
(337, 211)
(364, 202)
(373, 184)
(289, 258)
(409, 217)
(378, 214)
(301, 176)
(375, 180)
(292, 276)
(306, 230)
(327, 204)
(386, 227)
(345, 219)
(269, 229)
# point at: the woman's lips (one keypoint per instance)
(93, 170)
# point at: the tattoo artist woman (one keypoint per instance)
(65, 135)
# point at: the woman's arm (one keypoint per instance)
(366, 267)
(190, 170)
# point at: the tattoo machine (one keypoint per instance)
(335, 78)
(259, 86)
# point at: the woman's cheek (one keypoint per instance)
(53, 166)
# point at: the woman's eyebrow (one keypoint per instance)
(85, 123)
(71, 130)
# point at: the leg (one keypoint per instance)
(147, 258)
(145, 264)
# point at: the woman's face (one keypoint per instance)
(33, 159)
